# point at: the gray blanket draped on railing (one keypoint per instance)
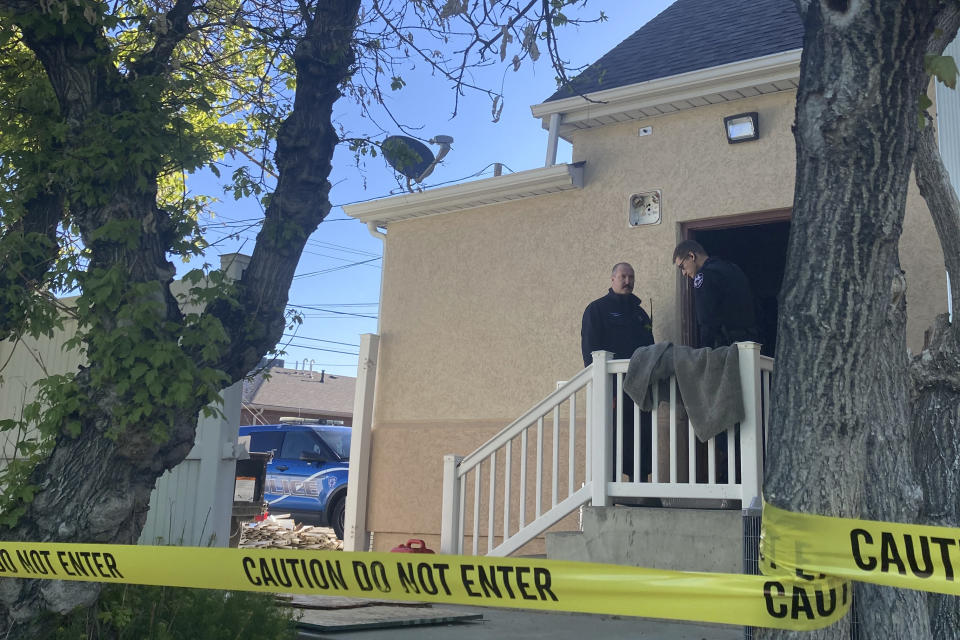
(708, 381)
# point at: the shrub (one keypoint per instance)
(137, 612)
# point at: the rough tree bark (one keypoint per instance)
(841, 386)
(929, 425)
(97, 489)
(936, 381)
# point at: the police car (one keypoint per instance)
(307, 477)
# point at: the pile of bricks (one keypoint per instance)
(280, 532)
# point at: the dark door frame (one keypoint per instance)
(687, 230)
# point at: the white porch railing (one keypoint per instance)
(515, 495)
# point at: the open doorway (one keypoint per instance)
(758, 244)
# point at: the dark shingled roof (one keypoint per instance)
(690, 35)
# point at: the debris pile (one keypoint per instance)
(281, 532)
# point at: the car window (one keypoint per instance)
(298, 442)
(265, 441)
(338, 440)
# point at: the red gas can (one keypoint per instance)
(412, 546)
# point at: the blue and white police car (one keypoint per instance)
(307, 477)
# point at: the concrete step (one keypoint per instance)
(655, 537)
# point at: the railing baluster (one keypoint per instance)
(477, 479)
(463, 513)
(691, 452)
(523, 478)
(712, 460)
(618, 450)
(491, 500)
(538, 500)
(556, 457)
(732, 456)
(571, 441)
(637, 444)
(674, 462)
(588, 441)
(655, 436)
(506, 490)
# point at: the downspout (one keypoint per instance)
(552, 137)
(376, 233)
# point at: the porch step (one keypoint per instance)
(658, 538)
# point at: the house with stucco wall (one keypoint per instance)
(484, 283)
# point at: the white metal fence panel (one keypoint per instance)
(192, 503)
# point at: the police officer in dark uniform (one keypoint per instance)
(617, 323)
(723, 303)
(722, 297)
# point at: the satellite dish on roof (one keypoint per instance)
(413, 159)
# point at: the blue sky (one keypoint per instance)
(337, 286)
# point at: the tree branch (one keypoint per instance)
(305, 144)
(933, 178)
(178, 27)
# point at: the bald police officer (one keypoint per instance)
(617, 323)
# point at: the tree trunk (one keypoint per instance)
(891, 487)
(936, 382)
(96, 484)
(936, 447)
(840, 329)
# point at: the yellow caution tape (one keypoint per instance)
(910, 556)
(807, 559)
(787, 602)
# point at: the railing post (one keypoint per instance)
(751, 441)
(600, 427)
(450, 512)
(355, 536)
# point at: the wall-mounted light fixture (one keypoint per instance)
(742, 127)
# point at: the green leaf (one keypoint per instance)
(924, 104)
(943, 68)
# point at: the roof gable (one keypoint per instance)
(690, 35)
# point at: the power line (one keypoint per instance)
(331, 269)
(340, 313)
(320, 316)
(346, 344)
(311, 348)
(346, 304)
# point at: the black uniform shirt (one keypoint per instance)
(617, 323)
(724, 304)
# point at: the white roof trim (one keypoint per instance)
(278, 407)
(624, 103)
(478, 193)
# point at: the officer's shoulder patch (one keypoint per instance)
(698, 281)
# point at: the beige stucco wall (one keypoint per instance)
(480, 310)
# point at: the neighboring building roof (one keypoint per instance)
(690, 35)
(301, 390)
